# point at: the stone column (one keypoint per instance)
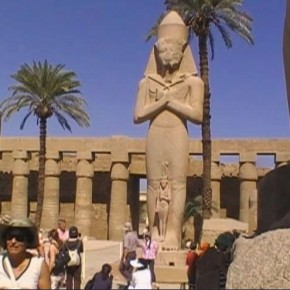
(119, 188)
(248, 183)
(50, 212)
(84, 192)
(282, 158)
(19, 203)
(253, 218)
(215, 185)
(118, 205)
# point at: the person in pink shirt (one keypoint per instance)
(62, 230)
(149, 252)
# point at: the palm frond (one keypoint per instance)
(46, 89)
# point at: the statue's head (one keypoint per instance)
(172, 36)
(164, 181)
(172, 43)
(170, 51)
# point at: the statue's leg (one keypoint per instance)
(178, 156)
(152, 190)
(154, 159)
(175, 214)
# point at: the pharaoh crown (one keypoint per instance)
(172, 26)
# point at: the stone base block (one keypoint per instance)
(215, 226)
(171, 258)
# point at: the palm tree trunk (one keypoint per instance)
(197, 225)
(205, 127)
(41, 170)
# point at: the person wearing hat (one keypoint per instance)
(149, 251)
(141, 277)
(18, 268)
(130, 244)
(74, 245)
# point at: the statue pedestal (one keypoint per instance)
(171, 258)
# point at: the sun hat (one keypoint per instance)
(127, 226)
(139, 263)
(25, 223)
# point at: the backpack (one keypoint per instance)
(61, 260)
(89, 285)
(74, 255)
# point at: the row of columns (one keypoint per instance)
(119, 188)
(248, 192)
(50, 215)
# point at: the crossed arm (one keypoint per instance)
(191, 109)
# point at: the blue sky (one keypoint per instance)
(104, 43)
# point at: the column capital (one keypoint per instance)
(119, 171)
(248, 171)
(85, 168)
(20, 167)
(52, 167)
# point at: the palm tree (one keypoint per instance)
(193, 208)
(200, 16)
(45, 90)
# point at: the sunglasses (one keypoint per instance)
(18, 235)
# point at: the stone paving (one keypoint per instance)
(98, 252)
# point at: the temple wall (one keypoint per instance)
(97, 179)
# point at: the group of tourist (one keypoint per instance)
(208, 265)
(138, 271)
(27, 262)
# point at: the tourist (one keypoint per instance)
(18, 268)
(191, 259)
(203, 247)
(57, 275)
(4, 220)
(149, 252)
(169, 95)
(62, 230)
(75, 247)
(102, 280)
(40, 249)
(130, 243)
(212, 265)
(141, 277)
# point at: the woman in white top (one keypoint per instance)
(141, 277)
(57, 275)
(18, 268)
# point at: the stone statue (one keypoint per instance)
(169, 95)
(163, 202)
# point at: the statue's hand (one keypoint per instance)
(159, 95)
